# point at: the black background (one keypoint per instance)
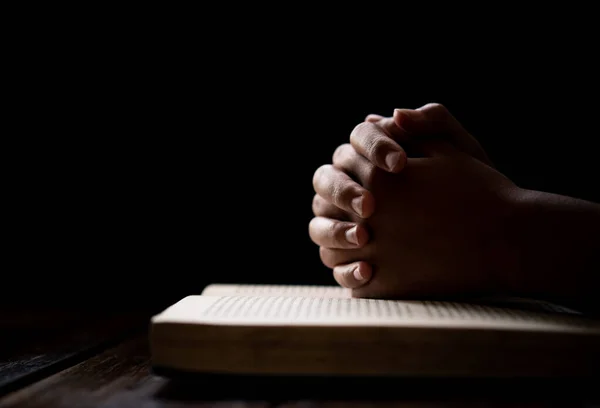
(146, 166)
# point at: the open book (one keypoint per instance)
(322, 330)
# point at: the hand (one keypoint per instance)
(438, 228)
(337, 224)
(409, 127)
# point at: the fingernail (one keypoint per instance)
(357, 204)
(392, 159)
(357, 274)
(351, 235)
(400, 118)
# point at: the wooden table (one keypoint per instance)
(59, 358)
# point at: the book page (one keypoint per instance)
(248, 310)
(526, 304)
(330, 291)
(221, 289)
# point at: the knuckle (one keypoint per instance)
(336, 192)
(338, 276)
(341, 152)
(360, 129)
(336, 232)
(369, 138)
(342, 193)
(333, 188)
(388, 126)
(326, 256)
(317, 233)
(320, 174)
(436, 110)
(312, 226)
(374, 145)
(316, 204)
(345, 278)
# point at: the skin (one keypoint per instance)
(335, 204)
(436, 219)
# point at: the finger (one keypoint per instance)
(332, 257)
(334, 234)
(435, 120)
(338, 188)
(389, 126)
(371, 141)
(323, 208)
(350, 162)
(352, 275)
(373, 118)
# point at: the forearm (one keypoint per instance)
(556, 243)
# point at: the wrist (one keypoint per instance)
(516, 206)
(552, 241)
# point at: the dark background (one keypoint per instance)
(146, 167)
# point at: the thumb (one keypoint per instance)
(389, 126)
(435, 121)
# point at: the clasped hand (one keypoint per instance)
(412, 206)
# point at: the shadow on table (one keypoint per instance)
(286, 388)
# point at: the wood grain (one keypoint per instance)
(122, 377)
(117, 377)
(32, 351)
